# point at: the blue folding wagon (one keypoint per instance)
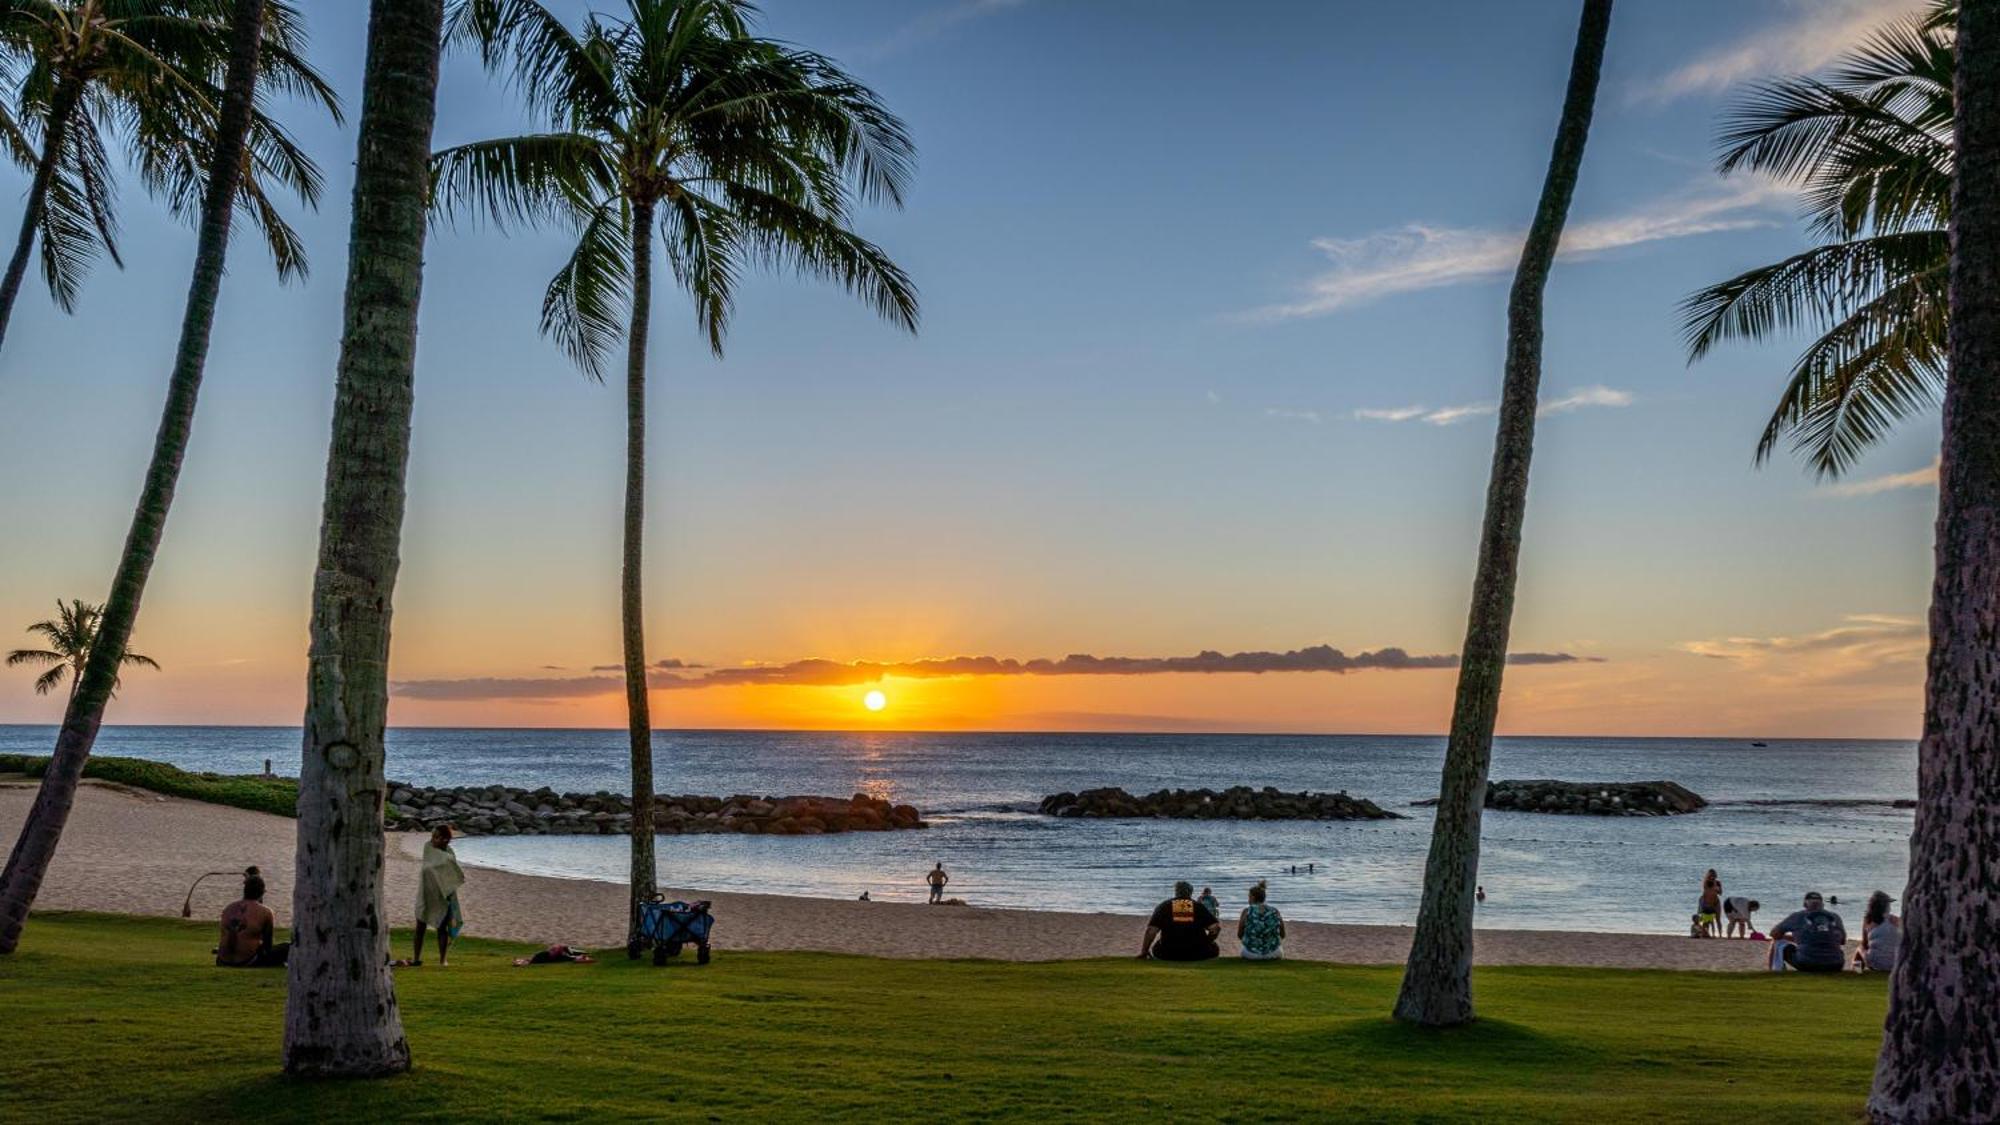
(666, 926)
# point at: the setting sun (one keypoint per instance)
(874, 701)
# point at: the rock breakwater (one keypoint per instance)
(500, 810)
(1237, 803)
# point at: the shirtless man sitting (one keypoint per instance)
(247, 930)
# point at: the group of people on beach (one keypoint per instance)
(1185, 927)
(1812, 938)
(247, 938)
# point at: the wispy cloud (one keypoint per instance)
(1420, 256)
(1392, 414)
(1925, 477)
(938, 17)
(1813, 34)
(1861, 646)
(1293, 415)
(838, 673)
(1585, 397)
(1449, 415)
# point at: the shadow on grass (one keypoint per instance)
(1482, 1046)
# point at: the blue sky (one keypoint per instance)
(1200, 284)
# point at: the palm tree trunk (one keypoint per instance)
(638, 711)
(91, 692)
(63, 106)
(1437, 982)
(341, 1017)
(1940, 1056)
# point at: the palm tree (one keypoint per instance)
(341, 1017)
(70, 635)
(149, 73)
(1870, 146)
(1437, 983)
(1940, 1056)
(741, 149)
(111, 630)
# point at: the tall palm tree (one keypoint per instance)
(1437, 983)
(1940, 1056)
(148, 73)
(1870, 146)
(70, 634)
(91, 693)
(742, 151)
(341, 1018)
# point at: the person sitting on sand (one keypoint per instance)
(1181, 929)
(437, 895)
(1811, 940)
(247, 926)
(1260, 929)
(1209, 900)
(1881, 936)
(1737, 910)
(937, 879)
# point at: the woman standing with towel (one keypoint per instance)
(437, 894)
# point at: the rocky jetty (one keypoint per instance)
(500, 810)
(1591, 798)
(1238, 803)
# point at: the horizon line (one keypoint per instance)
(1051, 731)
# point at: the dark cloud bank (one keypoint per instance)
(674, 674)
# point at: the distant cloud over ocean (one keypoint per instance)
(837, 673)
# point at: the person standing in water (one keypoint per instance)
(437, 895)
(937, 879)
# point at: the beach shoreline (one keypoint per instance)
(134, 852)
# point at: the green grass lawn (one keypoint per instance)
(105, 1017)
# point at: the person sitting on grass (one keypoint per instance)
(1881, 936)
(1260, 929)
(1811, 940)
(247, 930)
(437, 895)
(1738, 910)
(1181, 929)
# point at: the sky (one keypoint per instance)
(1194, 435)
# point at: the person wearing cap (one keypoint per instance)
(1181, 929)
(1811, 940)
(1881, 936)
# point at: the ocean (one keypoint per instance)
(1788, 817)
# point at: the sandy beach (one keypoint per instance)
(135, 852)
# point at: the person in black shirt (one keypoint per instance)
(1181, 929)
(1812, 940)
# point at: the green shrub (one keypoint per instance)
(279, 795)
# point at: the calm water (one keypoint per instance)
(978, 790)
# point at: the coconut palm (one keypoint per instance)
(147, 74)
(70, 634)
(341, 1018)
(1940, 1057)
(1437, 982)
(740, 150)
(112, 628)
(1869, 144)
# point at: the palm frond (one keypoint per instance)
(1821, 284)
(1879, 365)
(51, 680)
(585, 306)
